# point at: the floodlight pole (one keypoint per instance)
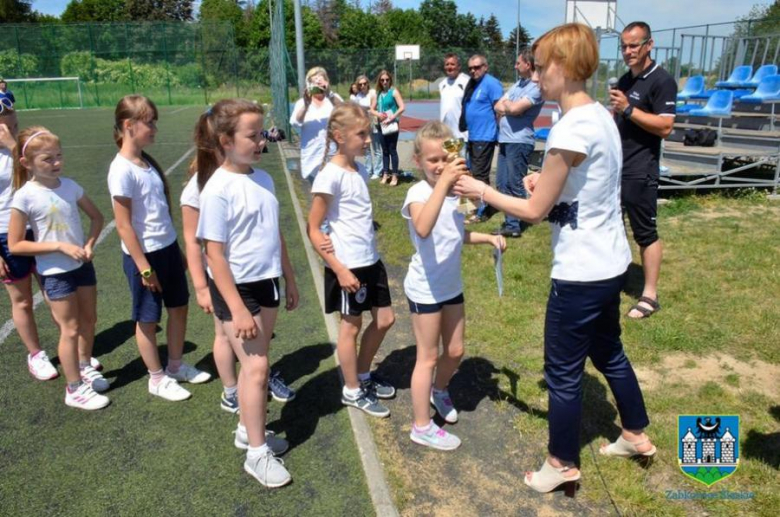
(299, 46)
(517, 38)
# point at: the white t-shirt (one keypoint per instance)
(434, 272)
(150, 218)
(350, 214)
(451, 92)
(6, 188)
(314, 132)
(241, 211)
(364, 101)
(597, 249)
(190, 196)
(54, 217)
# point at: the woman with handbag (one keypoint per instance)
(387, 107)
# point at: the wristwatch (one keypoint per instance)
(147, 273)
(628, 111)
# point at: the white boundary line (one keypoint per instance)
(9, 327)
(179, 110)
(369, 456)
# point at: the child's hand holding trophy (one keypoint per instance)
(454, 146)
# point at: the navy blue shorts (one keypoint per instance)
(255, 295)
(169, 266)
(61, 285)
(430, 308)
(20, 267)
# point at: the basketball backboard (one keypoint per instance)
(404, 52)
(597, 14)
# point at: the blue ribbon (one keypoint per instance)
(565, 213)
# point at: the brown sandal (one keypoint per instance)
(646, 313)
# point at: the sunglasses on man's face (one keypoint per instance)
(6, 104)
(475, 68)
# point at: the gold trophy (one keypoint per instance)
(454, 146)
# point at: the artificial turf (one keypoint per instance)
(143, 455)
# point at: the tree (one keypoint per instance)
(381, 7)
(159, 10)
(95, 11)
(525, 39)
(228, 11)
(259, 31)
(491, 33)
(406, 27)
(16, 11)
(359, 29)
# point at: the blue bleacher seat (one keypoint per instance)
(718, 106)
(686, 108)
(762, 72)
(542, 133)
(768, 91)
(740, 75)
(738, 94)
(693, 86)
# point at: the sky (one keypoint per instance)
(538, 16)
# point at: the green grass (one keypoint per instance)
(719, 286)
(145, 456)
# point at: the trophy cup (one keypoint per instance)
(454, 146)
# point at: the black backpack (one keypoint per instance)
(700, 137)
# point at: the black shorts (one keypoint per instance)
(374, 291)
(481, 159)
(255, 295)
(430, 308)
(639, 198)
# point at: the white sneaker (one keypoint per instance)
(277, 445)
(40, 367)
(267, 469)
(189, 374)
(85, 398)
(94, 363)
(96, 381)
(169, 389)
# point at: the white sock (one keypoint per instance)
(364, 376)
(241, 428)
(231, 392)
(351, 394)
(256, 452)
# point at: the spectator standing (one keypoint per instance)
(5, 92)
(373, 158)
(479, 118)
(310, 115)
(387, 107)
(518, 109)
(644, 107)
(451, 90)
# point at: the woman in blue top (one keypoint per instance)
(387, 107)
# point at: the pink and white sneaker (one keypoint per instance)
(94, 363)
(40, 366)
(85, 398)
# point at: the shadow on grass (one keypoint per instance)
(108, 340)
(319, 397)
(136, 369)
(302, 362)
(764, 446)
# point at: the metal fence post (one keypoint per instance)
(167, 64)
(94, 65)
(19, 65)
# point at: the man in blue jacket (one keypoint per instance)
(479, 118)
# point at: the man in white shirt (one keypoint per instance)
(451, 90)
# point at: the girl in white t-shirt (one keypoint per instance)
(50, 204)
(433, 283)
(152, 260)
(578, 191)
(355, 278)
(16, 272)
(246, 254)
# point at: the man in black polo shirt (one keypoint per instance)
(644, 107)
